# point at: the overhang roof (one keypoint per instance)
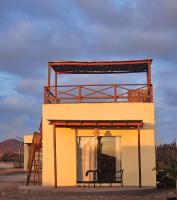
(96, 123)
(100, 67)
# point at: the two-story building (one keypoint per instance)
(90, 132)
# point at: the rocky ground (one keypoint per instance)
(9, 190)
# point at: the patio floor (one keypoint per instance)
(104, 190)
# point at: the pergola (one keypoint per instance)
(99, 67)
(54, 93)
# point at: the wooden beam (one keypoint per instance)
(97, 63)
(139, 158)
(98, 123)
(55, 156)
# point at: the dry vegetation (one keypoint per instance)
(166, 155)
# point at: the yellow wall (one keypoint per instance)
(66, 157)
(28, 139)
(66, 139)
(27, 142)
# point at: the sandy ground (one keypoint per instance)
(10, 182)
(8, 168)
(6, 165)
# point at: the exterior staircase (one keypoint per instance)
(34, 167)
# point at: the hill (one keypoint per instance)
(9, 146)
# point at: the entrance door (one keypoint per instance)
(98, 153)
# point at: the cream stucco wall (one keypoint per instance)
(27, 141)
(66, 140)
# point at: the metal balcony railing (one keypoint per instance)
(98, 93)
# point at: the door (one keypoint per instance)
(98, 153)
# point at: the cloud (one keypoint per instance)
(127, 14)
(8, 83)
(33, 87)
(21, 114)
(15, 127)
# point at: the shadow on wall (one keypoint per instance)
(130, 165)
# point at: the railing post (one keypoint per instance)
(80, 93)
(151, 93)
(45, 95)
(115, 93)
(49, 72)
(55, 92)
(56, 85)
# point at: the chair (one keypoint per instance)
(95, 175)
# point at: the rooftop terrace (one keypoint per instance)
(102, 92)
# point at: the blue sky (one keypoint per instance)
(34, 32)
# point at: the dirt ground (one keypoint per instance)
(40, 196)
(9, 183)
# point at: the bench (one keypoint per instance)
(105, 177)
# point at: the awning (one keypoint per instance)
(96, 123)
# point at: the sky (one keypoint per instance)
(35, 32)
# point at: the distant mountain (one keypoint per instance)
(9, 146)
